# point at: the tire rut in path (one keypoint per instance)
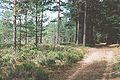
(97, 65)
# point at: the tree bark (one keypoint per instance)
(58, 31)
(36, 37)
(84, 31)
(41, 26)
(26, 39)
(20, 32)
(78, 30)
(14, 26)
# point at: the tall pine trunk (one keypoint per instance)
(36, 29)
(20, 33)
(58, 31)
(41, 26)
(84, 30)
(26, 37)
(14, 26)
(78, 30)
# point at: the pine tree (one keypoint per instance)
(14, 26)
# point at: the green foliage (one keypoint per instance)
(23, 71)
(54, 58)
(29, 70)
(56, 55)
(28, 64)
(117, 68)
(51, 55)
(67, 29)
(20, 68)
(74, 55)
(5, 56)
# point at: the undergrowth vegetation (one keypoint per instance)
(31, 62)
(116, 66)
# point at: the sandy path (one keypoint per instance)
(97, 65)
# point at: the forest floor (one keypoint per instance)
(96, 65)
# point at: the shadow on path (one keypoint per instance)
(93, 71)
(97, 65)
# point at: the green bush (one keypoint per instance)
(44, 55)
(48, 47)
(116, 68)
(74, 55)
(24, 71)
(62, 57)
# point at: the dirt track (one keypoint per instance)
(97, 65)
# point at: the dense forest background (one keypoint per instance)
(84, 22)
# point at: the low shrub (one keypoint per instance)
(75, 55)
(23, 71)
(27, 60)
(116, 66)
(62, 57)
(51, 55)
